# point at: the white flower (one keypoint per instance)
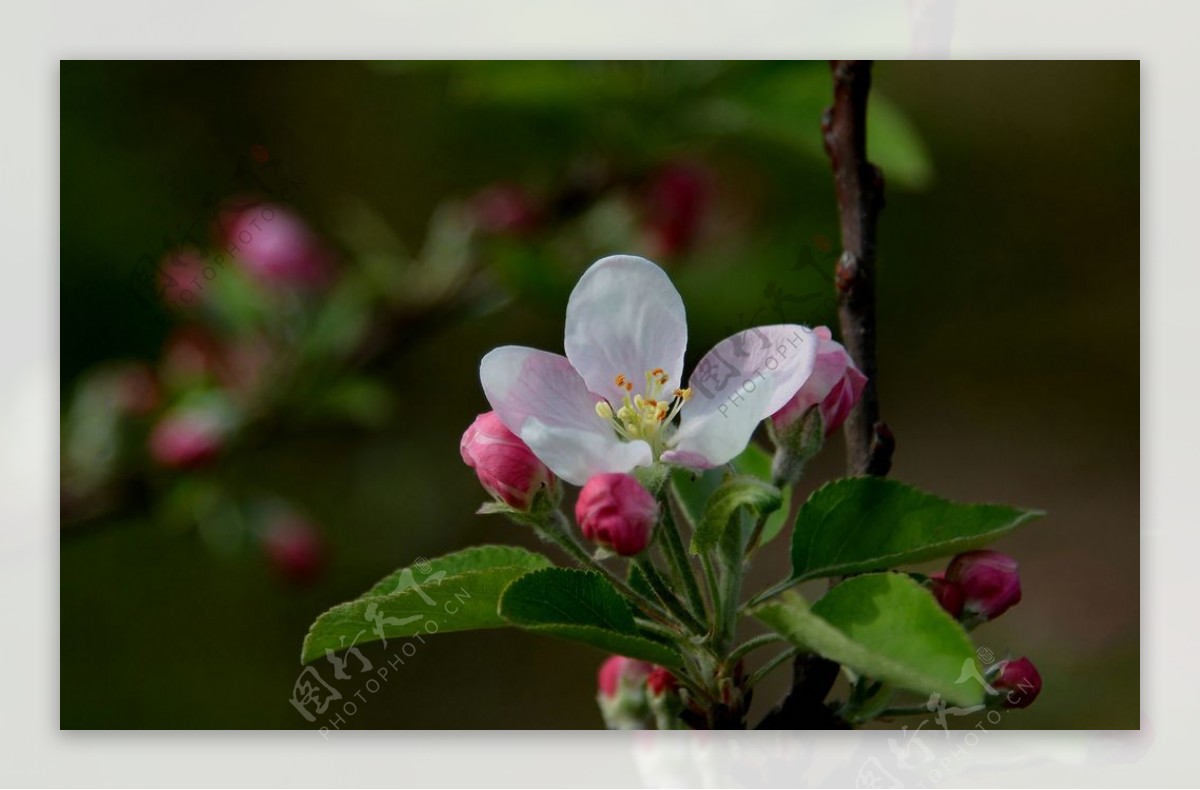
(610, 404)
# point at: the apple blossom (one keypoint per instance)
(610, 404)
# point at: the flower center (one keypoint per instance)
(649, 415)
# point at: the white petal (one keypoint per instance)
(541, 398)
(742, 381)
(625, 317)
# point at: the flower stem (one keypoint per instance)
(677, 556)
(907, 710)
(770, 666)
(558, 531)
(668, 598)
(742, 650)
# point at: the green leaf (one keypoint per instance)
(629, 645)
(887, 627)
(785, 105)
(756, 461)
(582, 606)
(457, 592)
(476, 558)
(738, 491)
(896, 146)
(565, 596)
(860, 524)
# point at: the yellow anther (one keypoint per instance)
(620, 381)
(684, 394)
(604, 410)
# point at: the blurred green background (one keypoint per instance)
(459, 202)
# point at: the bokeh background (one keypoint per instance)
(237, 460)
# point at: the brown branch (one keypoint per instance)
(859, 186)
(869, 442)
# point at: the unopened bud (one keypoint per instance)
(989, 582)
(504, 464)
(188, 438)
(278, 246)
(616, 512)
(833, 389)
(948, 594)
(1018, 682)
(294, 548)
(621, 693)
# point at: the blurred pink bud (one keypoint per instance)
(675, 201)
(989, 581)
(948, 594)
(294, 548)
(277, 246)
(183, 278)
(187, 439)
(833, 388)
(504, 208)
(616, 512)
(1018, 680)
(505, 465)
(661, 681)
(619, 672)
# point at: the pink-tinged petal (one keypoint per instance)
(542, 399)
(625, 317)
(834, 387)
(742, 381)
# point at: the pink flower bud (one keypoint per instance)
(833, 388)
(504, 209)
(183, 277)
(294, 548)
(616, 512)
(622, 694)
(1018, 680)
(277, 246)
(187, 439)
(989, 582)
(661, 681)
(617, 671)
(505, 465)
(948, 594)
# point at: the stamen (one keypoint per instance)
(604, 410)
